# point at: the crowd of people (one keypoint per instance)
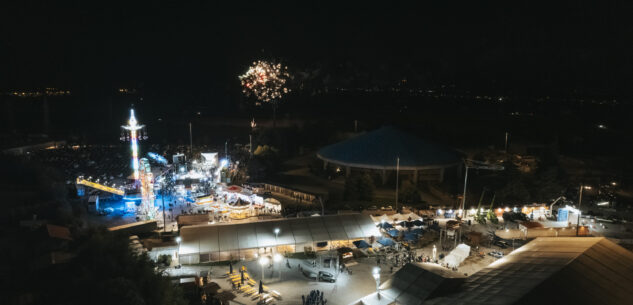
(315, 297)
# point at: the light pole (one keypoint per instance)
(190, 140)
(278, 258)
(275, 256)
(476, 165)
(178, 240)
(263, 260)
(582, 187)
(397, 174)
(162, 198)
(376, 274)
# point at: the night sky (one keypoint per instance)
(202, 46)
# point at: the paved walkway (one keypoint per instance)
(291, 283)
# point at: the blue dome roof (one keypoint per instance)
(379, 149)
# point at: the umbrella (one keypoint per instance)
(417, 231)
(361, 244)
(385, 241)
(418, 223)
(385, 225)
(393, 232)
(230, 267)
(410, 236)
(261, 287)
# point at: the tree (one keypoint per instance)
(514, 191)
(359, 187)
(105, 271)
(265, 162)
(164, 260)
(549, 184)
(409, 192)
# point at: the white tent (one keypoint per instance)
(458, 255)
(413, 216)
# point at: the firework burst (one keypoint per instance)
(265, 81)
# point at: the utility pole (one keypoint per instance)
(476, 165)
(579, 202)
(397, 174)
(226, 149)
(162, 197)
(190, 141)
(506, 145)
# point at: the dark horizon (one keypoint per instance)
(556, 49)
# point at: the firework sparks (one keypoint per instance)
(265, 81)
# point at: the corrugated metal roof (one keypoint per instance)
(552, 270)
(294, 231)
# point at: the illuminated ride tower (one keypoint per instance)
(147, 208)
(135, 134)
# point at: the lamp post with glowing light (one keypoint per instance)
(263, 260)
(178, 240)
(376, 274)
(582, 187)
(278, 258)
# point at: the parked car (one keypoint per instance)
(501, 244)
(309, 274)
(326, 277)
(496, 254)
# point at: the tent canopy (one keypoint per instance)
(292, 231)
(361, 244)
(386, 241)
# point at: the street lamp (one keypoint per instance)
(262, 262)
(582, 187)
(178, 240)
(276, 233)
(376, 273)
(278, 258)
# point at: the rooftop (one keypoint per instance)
(380, 148)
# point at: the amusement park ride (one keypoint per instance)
(142, 176)
(136, 133)
(141, 171)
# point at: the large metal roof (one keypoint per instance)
(379, 149)
(292, 231)
(548, 270)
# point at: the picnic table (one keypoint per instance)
(275, 294)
